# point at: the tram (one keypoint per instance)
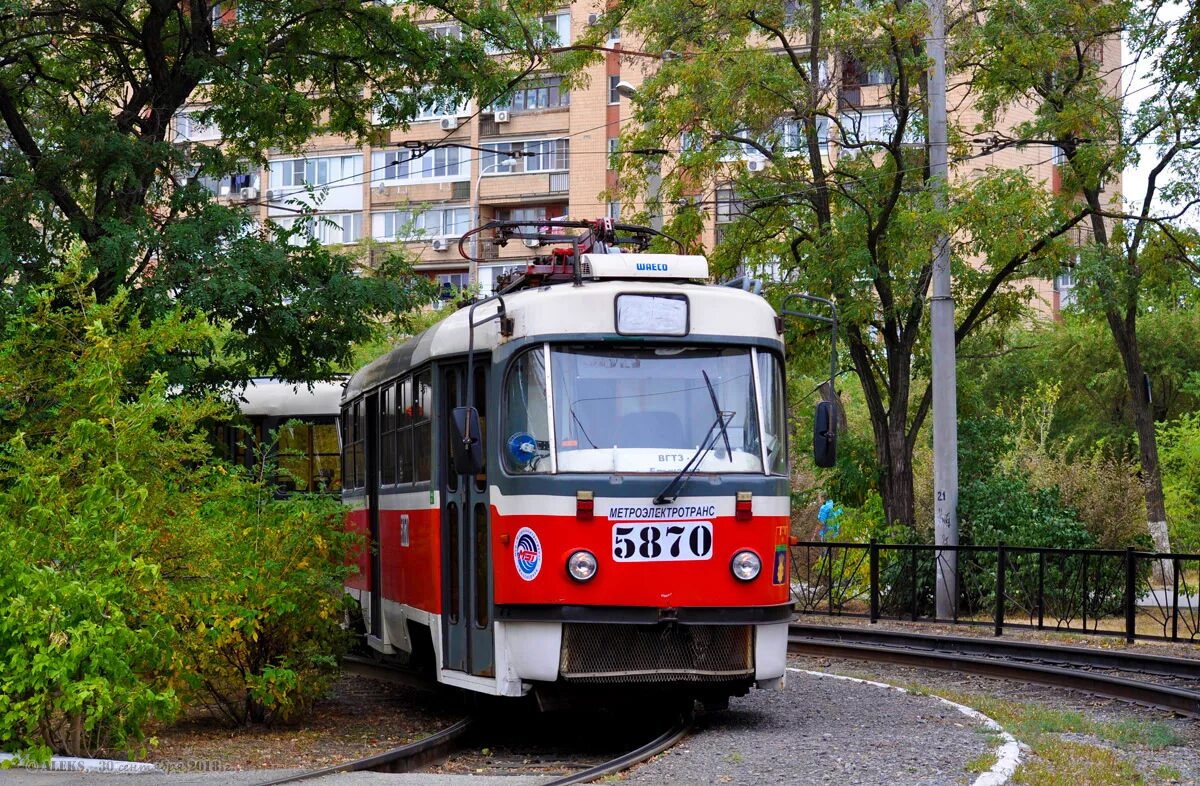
(294, 424)
(581, 482)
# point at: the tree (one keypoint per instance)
(783, 83)
(1073, 83)
(88, 94)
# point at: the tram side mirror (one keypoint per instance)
(466, 446)
(824, 436)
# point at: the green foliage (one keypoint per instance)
(88, 157)
(852, 216)
(122, 545)
(264, 605)
(1179, 449)
(1077, 355)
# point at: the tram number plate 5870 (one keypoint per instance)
(672, 541)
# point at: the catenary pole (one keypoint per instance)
(945, 406)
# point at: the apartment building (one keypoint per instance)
(543, 152)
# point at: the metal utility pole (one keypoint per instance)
(945, 405)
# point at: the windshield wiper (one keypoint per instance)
(693, 464)
(720, 419)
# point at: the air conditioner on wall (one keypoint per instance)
(248, 193)
(449, 123)
(502, 116)
(440, 244)
(593, 18)
(274, 195)
(754, 165)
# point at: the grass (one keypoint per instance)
(1064, 763)
(982, 763)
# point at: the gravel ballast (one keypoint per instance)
(823, 731)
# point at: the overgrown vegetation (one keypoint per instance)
(140, 576)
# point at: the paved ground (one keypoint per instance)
(830, 731)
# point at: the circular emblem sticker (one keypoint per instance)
(527, 554)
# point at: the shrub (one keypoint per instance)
(264, 609)
(125, 551)
(1179, 453)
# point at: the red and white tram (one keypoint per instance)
(580, 481)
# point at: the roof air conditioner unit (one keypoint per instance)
(502, 116)
(754, 165)
(440, 244)
(449, 123)
(248, 193)
(593, 18)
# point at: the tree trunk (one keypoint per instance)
(1124, 333)
(896, 485)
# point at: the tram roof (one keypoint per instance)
(270, 397)
(563, 309)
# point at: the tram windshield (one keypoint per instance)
(647, 410)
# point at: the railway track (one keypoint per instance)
(1093, 671)
(440, 746)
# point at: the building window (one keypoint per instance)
(791, 133)
(444, 31)
(560, 26)
(543, 93)
(612, 151)
(451, 284)
(613, 96)
(878, 125)
(614, 211)
(302, 172)
(1064, 284)
(441, 163)
(328, 229)
(551, 155)
(406, 225)
(729, 207)
(528, 214)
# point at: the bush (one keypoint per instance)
(1179, 454)
(123, 547)
(265, 607)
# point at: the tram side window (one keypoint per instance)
(404, 430)
(770, 382)
(423, 426)
(359, 427)
(387, 436)
(307, 456)
(480, 405)
(347, 449)
(526, 426)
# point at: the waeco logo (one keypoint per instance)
(652, 266)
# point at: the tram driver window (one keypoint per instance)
(526, 424)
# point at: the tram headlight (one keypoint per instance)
(745, 565)
(581, 565)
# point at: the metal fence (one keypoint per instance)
(1135, 594)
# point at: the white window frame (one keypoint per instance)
(317, 171)
(404, 168)
(496, 159)
(443, 221)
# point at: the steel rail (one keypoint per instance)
(1177, 700)
(626, 760)
(402, 759)
(1079, 657)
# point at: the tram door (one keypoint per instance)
(468, 642)
(372, 456)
